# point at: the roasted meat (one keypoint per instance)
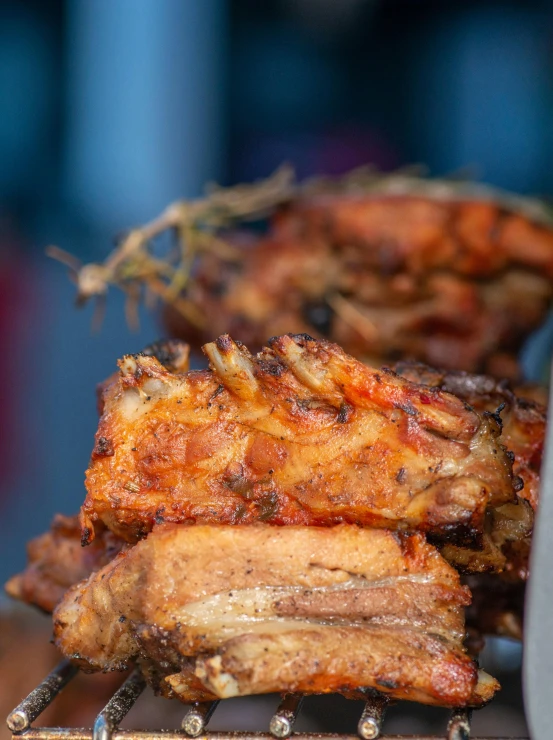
(299, 434)
(498, 602)
(523, 420)
(56, 561)
(220, 611)
(451, 280)
(523, 433)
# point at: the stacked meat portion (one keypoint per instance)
(219, 611)
(498, 600)
(299, 434)
(408, 269)
(287, 521)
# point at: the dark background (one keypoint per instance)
(111, 109)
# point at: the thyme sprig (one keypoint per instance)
(134, 268)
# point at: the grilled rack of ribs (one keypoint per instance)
(355, 497)
(299, 434)
(295, 608)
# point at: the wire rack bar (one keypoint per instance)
(118, 706)
(32, 707)
(196, 719)
(56, 733)
(458, 727)
(369, 726)
(282, 721)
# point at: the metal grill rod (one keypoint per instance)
(369, 726)
(118, 706)
(30, 708)
(196, 719)
(458, 727)
(56, 733)
(282, 721)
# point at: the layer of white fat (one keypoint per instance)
(231, 613)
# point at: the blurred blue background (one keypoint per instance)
(111, 109)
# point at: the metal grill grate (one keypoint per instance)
(197, 718)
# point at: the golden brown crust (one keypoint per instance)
(356, 608)
(523, 419)
(403, 664)
(523, 423)
(299, 434)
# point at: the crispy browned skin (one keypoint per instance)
(285, 609)
(498, 604)
(299, 434)
(57, 561)
(523, 420)
(457, 284)
(523, 433)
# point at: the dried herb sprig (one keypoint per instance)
(134, 268)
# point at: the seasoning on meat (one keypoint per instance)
(299, 434)
(220, 611)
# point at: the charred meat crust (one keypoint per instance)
(522, 422)
(321, 441)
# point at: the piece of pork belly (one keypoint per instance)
(298, 434)
(220, 611)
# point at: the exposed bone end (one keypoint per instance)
(128, 365)
(14, 587)
(484, 690)
(86, 524)
(233, 364)
(212, 675)
(187, 687)
(140, 365)
(144, 373)
(173, 354)
(306, 365)
(512, 522)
